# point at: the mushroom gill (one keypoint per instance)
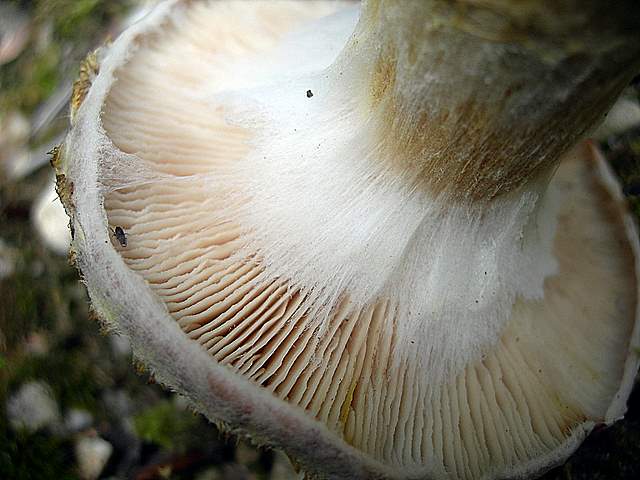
(412, 256)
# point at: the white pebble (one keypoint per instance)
(33, 407)
(92, 454)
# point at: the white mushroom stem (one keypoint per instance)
(476, 97)
(418, 169)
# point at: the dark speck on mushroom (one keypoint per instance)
(309, 94)
(118, 232)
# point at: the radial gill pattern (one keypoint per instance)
(551, 370)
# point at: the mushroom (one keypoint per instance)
(419, 270)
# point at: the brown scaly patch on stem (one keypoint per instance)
(64, 189)
(490, 94)
(89, 68)
(72, 260)
(470, 154)
(55, 157)
(384, 75)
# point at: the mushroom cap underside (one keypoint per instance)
(344, 388)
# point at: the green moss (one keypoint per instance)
(74, 27)
(27, 456)
(76, 13)
(49, 306)
(166, 425)
(71, 376)
(73, 19)
(39, 293)
(30, 80)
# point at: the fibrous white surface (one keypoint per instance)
(435, 336)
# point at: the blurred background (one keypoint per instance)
(73, 404)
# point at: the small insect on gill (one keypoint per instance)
(118, 232)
